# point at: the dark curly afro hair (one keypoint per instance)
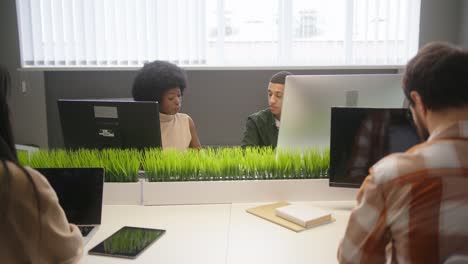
(155, 78)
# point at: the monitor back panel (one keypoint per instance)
(109, 124)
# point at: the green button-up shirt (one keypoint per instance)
(260, 130)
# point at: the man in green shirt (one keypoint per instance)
(262, 127)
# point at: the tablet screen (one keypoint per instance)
(127, 242)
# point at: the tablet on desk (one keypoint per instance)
(127, 242)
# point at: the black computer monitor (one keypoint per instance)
(362, 136)
(112, 123)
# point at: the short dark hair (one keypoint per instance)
(155, 78)
(279, 77)
(439, 73)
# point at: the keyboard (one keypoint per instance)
(85, 230)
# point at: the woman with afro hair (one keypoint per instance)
(165, 83)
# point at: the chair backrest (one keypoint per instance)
(457, 259)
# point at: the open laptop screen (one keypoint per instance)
(79, 191)
(362, 136)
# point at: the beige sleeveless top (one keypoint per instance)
(175, 131)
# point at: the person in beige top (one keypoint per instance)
(33, 226)
(165, 83)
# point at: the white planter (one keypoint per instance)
(207, 192)
(123, 193)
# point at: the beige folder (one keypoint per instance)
(267, 212)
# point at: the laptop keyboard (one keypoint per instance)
(85, 230)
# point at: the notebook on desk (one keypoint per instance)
(79, 191)
(269, 213)
(304, 215)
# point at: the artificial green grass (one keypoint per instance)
(234, 164)
(121, 165)
(23, 157)
(208, 164)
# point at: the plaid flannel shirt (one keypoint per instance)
(413, 206)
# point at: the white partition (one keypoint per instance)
(123, 193)
(210, 192)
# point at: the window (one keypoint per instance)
(128, 33)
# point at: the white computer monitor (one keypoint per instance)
(308, 99)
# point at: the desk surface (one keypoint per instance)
(222, 233)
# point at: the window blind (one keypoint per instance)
(128, 33)
(111, 32)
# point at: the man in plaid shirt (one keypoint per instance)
(413, 206)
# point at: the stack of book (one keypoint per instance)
(296, 217)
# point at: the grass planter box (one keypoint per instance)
(202, 176)
(242, 191)
(212, 176)
(123, 193)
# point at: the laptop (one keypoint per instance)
(79, 191)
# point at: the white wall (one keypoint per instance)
(28, 109)
(439, 21)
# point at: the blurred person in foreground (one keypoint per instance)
(33, 226)
(413, 206)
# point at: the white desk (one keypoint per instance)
(254, 240)
(223, 233)
(195, 233)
